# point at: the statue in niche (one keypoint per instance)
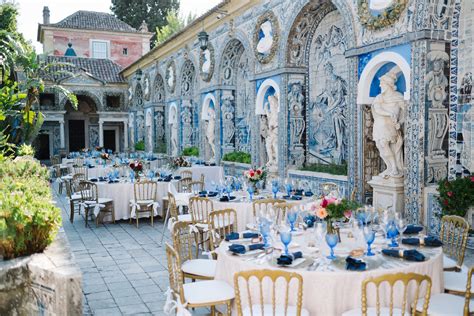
(379, 5)
(170, 77)
(295, 101)
(263, 137)
(130, 93)
(228, 119)
(173, 132)
(333, 98)
(187, 119)
(467, 159)
(388, 111)
(206, 65)
(93, 137)
(436, 80)
(159, 120)
(466, 88)
(271, 141)
(211, 132)
(140, 127)
(147, 88)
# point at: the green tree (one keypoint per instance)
(153, 12)
(174, 24)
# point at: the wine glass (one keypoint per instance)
(392, 233)
(250, 191)
(369, 235)
(228, 190)
(291, 216)
(320, 231)
(264, 225)
(285, 237)
(401, 226)
(275, 188)
(288, 187)
(332, 240)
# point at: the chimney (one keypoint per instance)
(45, 15)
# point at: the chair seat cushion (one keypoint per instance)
(372, 311)
(444, 305)
(105, 200)
(268, 310)
(207, 292)
(455, 281)
(200, 267)
(449, 263)
(75, 197)
(185, 218)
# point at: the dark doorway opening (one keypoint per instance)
(109, 140)
(77, 135)
(42, 149)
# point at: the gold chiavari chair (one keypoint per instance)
(197, 294)
(183, 184)
(82, 170)
(454, 232)
(262, 279)
(173, 215)
(144, 201)
(450, 304)
(222, 223)
(186, 174)
(184, 242)
(200, 208)
(329, 188)
(202, 178)
(263, 206)
(389, 282)
(281, 209)
(79, 162)
(91, 201)
(195, 186)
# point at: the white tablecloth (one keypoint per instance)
(211, 174)
(334, 290)
(121, 193)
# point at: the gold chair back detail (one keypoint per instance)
(183, 185)
(186, 174)
(200, 208)
(184, 241)
(174, 272)
(263, 205)
(222, 223)
(454, 233)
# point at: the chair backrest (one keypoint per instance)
(173, 208)
(223, 222)
(200, 207)
(145, 190)
(79, 162)
(183, 184)
(184, 241)
(81, 170)
(454, 232)
(57, 170)
(55, 160)
(256, 283)
(202, 178)
(174, 271)
(186, 174)
(329, 189)
(195, 186)
(88, 191)
(281, 209)
(407, 280)
(263, 205)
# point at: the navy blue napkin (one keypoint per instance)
(413, 229)
(354, 264)
(177, 177)
(234, 236)
(299, 192)
(410, 255)
(93, 180)
(293, 197)
(240, 249)
(428, 241)
(225, 198)
(286, 260)
(309, 220)
(308, 194)
(91, 166)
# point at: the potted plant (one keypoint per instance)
(238, 156)
(140, 145)
(456, 197)
(191, 152)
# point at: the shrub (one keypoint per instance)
(29, 220)
(160, 148)
(457, 196)
(238, 156)
(334, 169)
(25, 150)
(140, 145)
(191, 151)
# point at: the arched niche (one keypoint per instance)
(172, 113)
(372, 69)
(268, 87)
(158, 89)
(208, 102)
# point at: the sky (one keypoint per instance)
(31, 12)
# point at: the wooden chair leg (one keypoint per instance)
(86, 211)
(229, 308)
(136, 215)
(152, 217)
(213, 310)
(71, 214)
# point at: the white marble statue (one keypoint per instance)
(130, 93)
(170, 77)
(467, 153)
(379, 5)
(206, 65)
(271, 141)
(210, 132)
(265, 43)
(436, 79)
(173, 132)
(388, 111)
(147, 88)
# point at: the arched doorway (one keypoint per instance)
(78, 121)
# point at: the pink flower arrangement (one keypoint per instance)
(136, 166)
(255, 175)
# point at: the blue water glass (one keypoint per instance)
(291, 216)
(264, 226)
(392, 233)
(228, 190)
(331, 240)
(285, 237)
(250, 191)
(151, 174)
(132, 176)
(275, 189)
(288, 188)
(369, 236)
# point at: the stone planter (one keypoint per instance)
(235, 168)
(15, 286)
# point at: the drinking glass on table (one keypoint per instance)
(274, 188)
(285, 237)
(251, 192)
(369, 235)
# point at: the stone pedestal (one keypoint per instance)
(388, 193)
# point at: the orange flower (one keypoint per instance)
(322, 213)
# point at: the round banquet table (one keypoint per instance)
(121, 193)
(330, 289)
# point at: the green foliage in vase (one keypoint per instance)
(238, 156)
(191, 151)
(26, 150)
(29, 220)
(140, 145)
(456, 196)
(340, 170)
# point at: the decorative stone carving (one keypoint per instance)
(271, 140)
(207, 63)
(379, 14)
(230, 60)
(187, 124)
(388, 111)
(130, 93)
(171, 76)
(436, 80)
(93, 136)
(149, 130)
(211, 132)
(159, 127)
(467, 153)
(187, 79)
(146, 87)
(266, 37)
(140, 126)
(159, 89)
(228, 124)
(173, 122)
(131, 128)
(466, 89)
(297, 123)
(138, 99)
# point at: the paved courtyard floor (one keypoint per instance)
(124, 268)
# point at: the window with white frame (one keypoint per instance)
(100, 49)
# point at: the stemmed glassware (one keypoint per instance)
(275, 188)
(250, 191)
(320, 231)
(285, 237)
(288, 187)
(369, 235)
(392, 233)
(332, 240)
(292, 216)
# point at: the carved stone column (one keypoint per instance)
(228, 122)
(296, 121)
(187, 124)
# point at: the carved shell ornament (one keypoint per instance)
(171, 76)
(379, 14)
(207, 63)
(266, 37)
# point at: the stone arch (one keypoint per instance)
(230, 57)
(262, 92)
(138, 96)
(368, 74)
(187, 78)
(205, 106)
(243, 39)
(89, 94)
(159, 94)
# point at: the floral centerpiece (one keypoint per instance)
(332, 209)
(137, 167)
(180, 162)
(456, 196)
(104, 157)
(253, 176)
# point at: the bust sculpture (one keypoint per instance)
(388, 111)
(266, 38)
(271, 141)
(210, 132)
(206, 65)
